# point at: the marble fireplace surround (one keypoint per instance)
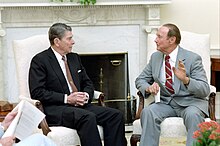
(107, 27)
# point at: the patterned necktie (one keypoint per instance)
(169, 82)
(68, 74)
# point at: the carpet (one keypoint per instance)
(181, 141)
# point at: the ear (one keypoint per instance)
(56, 42)
(172, 39)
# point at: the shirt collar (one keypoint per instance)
(58, 56)
(173, 54)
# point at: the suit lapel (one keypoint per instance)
(177, 82)
(158, 63)
(57, 69)
(160, 59)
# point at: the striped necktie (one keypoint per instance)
(68, 74)
(169, 82)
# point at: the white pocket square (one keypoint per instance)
(79, 71)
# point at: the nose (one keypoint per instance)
(155, 40)
(73, 42)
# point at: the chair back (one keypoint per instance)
(24, 51)
(198, 43)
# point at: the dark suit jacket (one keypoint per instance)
(48, 84)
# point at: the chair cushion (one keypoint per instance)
(137, 127)
(63, 136)
(168, 127)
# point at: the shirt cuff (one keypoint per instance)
(87, 96)
(65, 98)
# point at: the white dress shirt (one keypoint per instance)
(172, 60)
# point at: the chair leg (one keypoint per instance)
(134, 139)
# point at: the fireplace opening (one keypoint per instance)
(109, 73)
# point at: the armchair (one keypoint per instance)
(173, 126)
(24, 50)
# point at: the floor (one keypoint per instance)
(164, 141)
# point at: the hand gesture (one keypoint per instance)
(180, 72)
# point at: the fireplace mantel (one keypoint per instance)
(17, 10)
(55, 4)
(35, 3)
(109, 25)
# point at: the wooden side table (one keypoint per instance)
(215, 71)
(5, 108)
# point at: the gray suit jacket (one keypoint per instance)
(194, 94)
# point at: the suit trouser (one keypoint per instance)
(86, 119)
(154, 114)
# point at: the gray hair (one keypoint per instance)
(173, 31)
(57, 30)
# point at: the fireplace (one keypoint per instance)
(109, 73)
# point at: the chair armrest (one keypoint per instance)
(211, 99)
(100, 97)
(32, 101)
(43, 124)
(140, 106)
(212, 106)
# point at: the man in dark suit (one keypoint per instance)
(182, 93)
(66, 106)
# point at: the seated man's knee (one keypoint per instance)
(90, 116)
(192, 112)
(147, 110)
(119, 114)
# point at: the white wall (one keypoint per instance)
(201, 16)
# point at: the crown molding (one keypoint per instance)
(75, 4)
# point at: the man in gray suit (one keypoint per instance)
(188, 83)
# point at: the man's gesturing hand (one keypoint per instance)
(180, 73)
